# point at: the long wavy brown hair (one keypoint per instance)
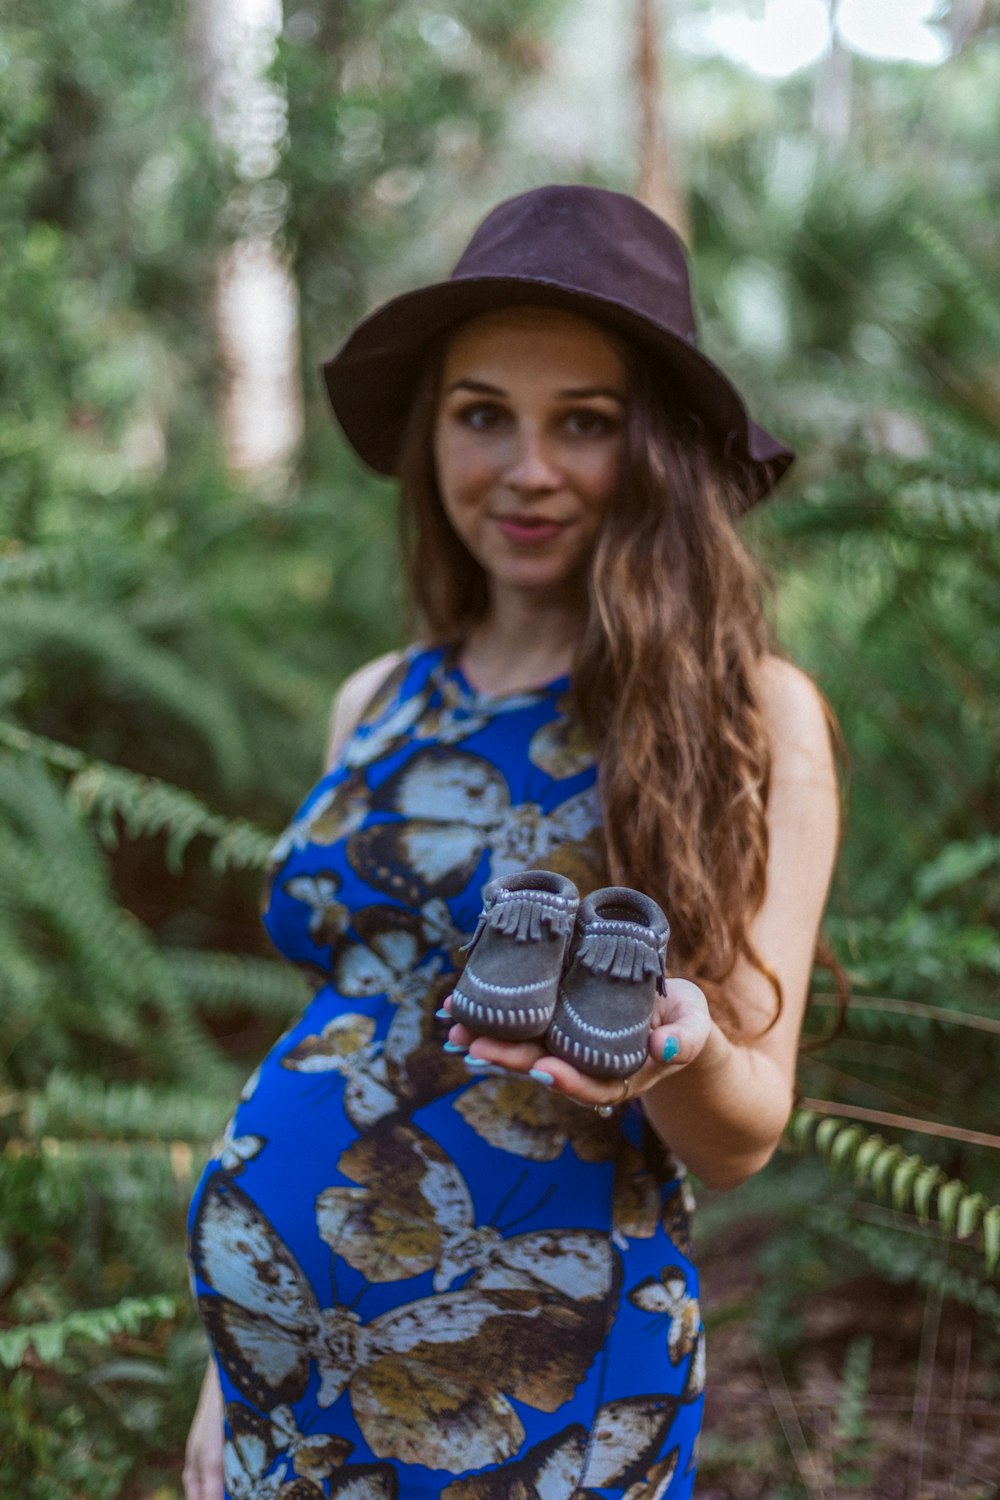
(664, 672)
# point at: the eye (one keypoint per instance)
(482, 416)
(586, 422)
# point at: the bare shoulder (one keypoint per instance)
(797, 719)
(353, 697)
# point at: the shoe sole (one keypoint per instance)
(508, 1023)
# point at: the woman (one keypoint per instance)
(464, 1269)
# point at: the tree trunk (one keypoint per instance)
(964, 19)
(255, 306)
(831, 114)
(659, 185)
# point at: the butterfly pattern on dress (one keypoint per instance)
(515, 1115)
(428, 1382)
(329, 918)
(329, 815)
(234, 1151)
(254, 1443)
(639, 1207)
(561, 746)
(403, 1070)
(444, 712)
(668, 1296)
(620, 1452)
(430, 1301)
(414, 1213)
(443, 811)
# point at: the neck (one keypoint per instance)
(521, 643)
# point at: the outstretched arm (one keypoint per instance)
(723, 1099)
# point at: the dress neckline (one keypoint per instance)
(450, 668)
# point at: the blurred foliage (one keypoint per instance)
(169, 639)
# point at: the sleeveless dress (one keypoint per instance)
(417, 1280)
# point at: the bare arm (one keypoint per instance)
(722, 1102)
(353, 698)
(725, 1111)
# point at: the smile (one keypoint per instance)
(530, 530)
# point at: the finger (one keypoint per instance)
(518, 1057)
(564, 1079)
(673, 1046)
(444, 1010)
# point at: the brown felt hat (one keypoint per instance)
(594, 252)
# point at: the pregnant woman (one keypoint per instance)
(431, 1263)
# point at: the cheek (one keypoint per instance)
(602, 476)
(463, 468)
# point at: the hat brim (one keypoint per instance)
(372, 377)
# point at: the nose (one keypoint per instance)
(532, 468)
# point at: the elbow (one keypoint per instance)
(730, 1169)
(722, 1176)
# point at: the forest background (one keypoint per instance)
(177, 607)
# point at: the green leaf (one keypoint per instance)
(802, 1126)
(884, 1167)
(948, 1199)
(902, 1181)
(826, 1133)
(991, 1237)
(845, 1146)
(867, 1152)
(923, 1189)
(970, 1210)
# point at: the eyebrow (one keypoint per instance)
(582, 393)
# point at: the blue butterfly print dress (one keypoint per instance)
(416, 1281)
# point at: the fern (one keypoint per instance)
(216, 981)
(102, 967)
(909, 1181)
(959, 273)
(85, 1110)
(73, 632)
(97, 1325)
(907, 1258)
(146, 806)
(853, 1448)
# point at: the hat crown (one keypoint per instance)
(589, 240)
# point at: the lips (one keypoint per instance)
(530, 530)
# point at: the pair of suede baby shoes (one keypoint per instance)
(583, 974)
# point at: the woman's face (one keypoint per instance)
(527, 442)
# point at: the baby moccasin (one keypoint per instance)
(605, 1008)
(509, 985)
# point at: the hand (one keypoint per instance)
(681, 1027)
(203, 1473)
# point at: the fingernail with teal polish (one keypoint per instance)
(454, 1047)
(476, 1062)
(443, 1015)
(541, 1077)
(671, 1047)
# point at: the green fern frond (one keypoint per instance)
(81, 1108)
(911, 1183)
(75, 632)
(957, 863)
(958, 510)
(101, 965)
(214, 981)
(146, 805)
(959, 273)
(903, 1257)
(97, 1325)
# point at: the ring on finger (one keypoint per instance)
(607, 1110)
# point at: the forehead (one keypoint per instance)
(519, 340)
